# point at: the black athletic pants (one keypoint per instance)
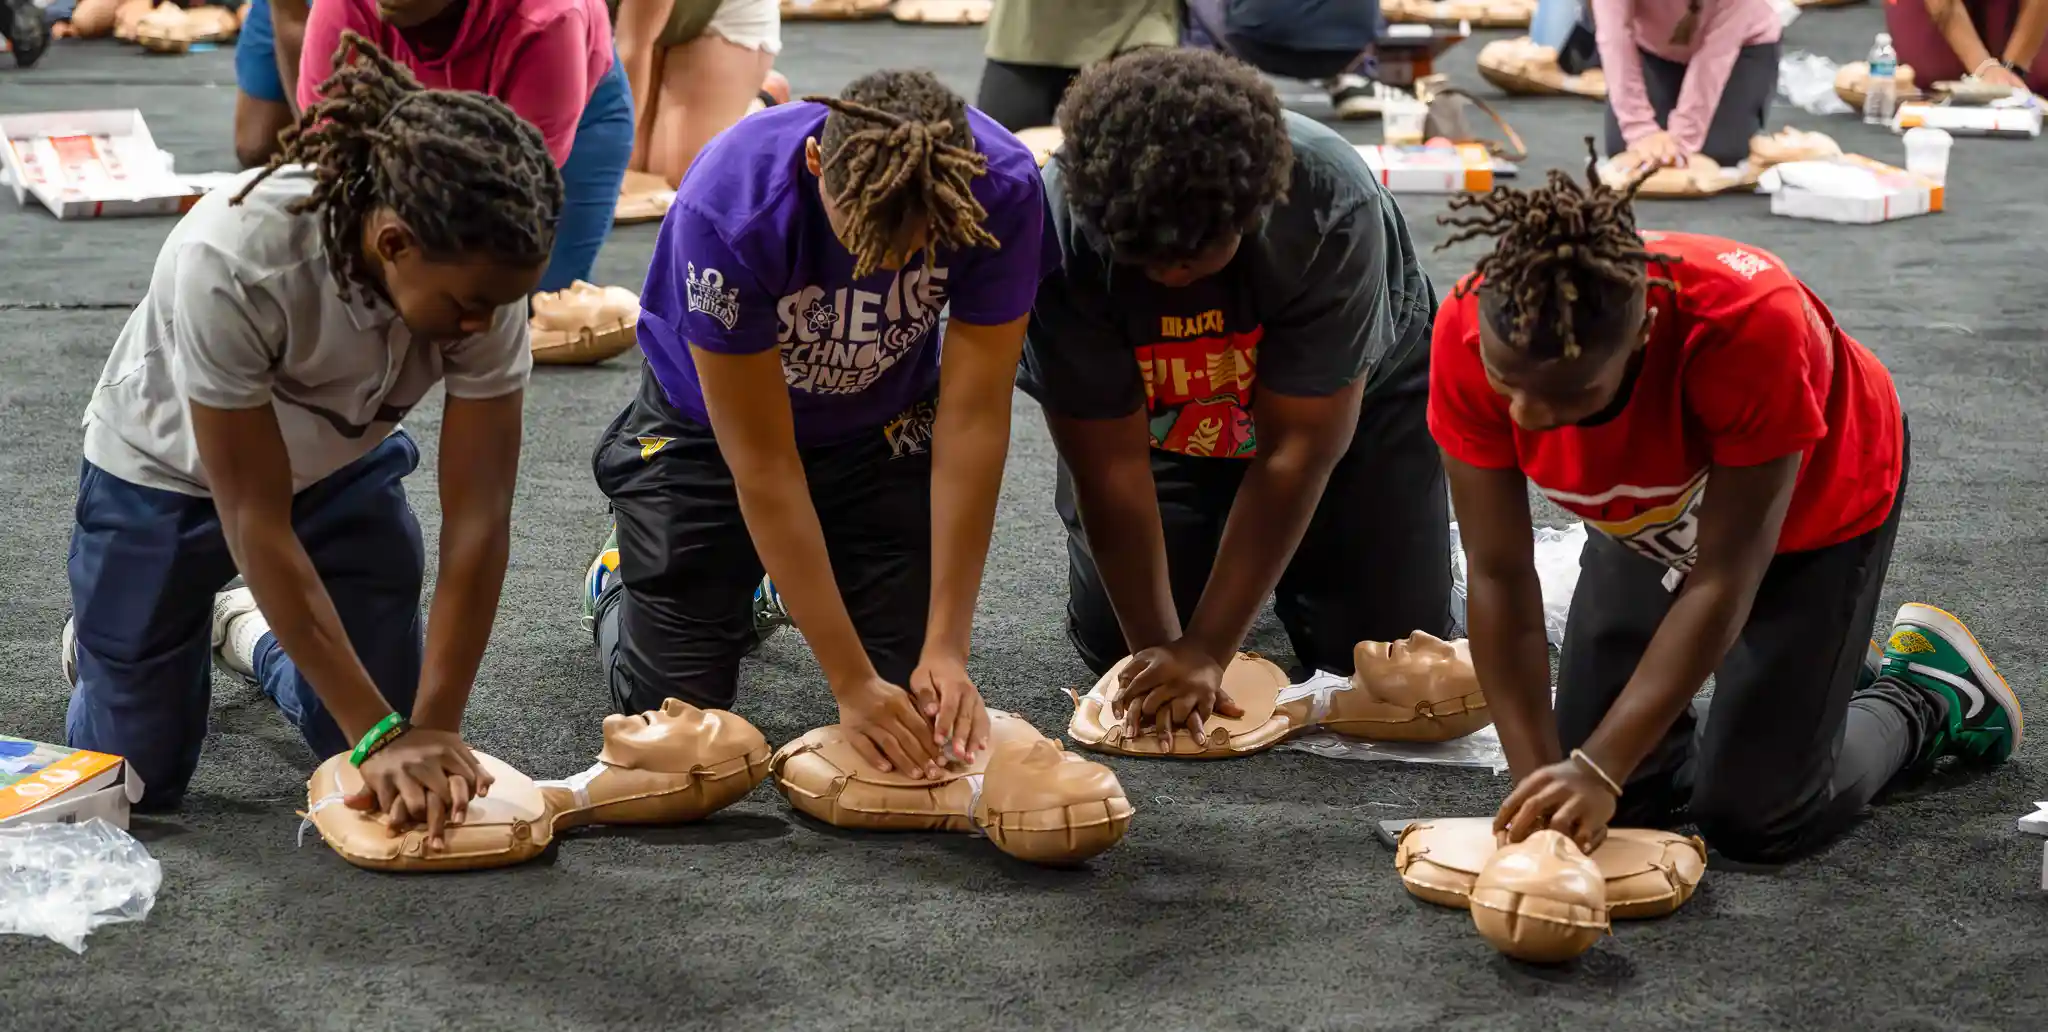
(1375, 564)
(677, 618)
(1022, 96)
(1795, 739)
(1745, 101)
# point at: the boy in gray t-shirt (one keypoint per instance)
(248, 420)
(1234, 364)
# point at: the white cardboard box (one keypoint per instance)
(91, 164)
(2019, 121)
(1465, 168)
(2036, 823)
(47, 784)
(1849, 189)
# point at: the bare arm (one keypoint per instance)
(1300, 441)
(970, 442)
(1110, 461)
(250, 471)
(1740, 519)
(288, 24)
(1504, 611)
(2028, 33)
(479, 466)
(1952, 19)
(748, 402)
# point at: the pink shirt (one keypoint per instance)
(543, 58)
(1626, 27)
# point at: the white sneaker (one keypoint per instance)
(233, 640)
(68, 645)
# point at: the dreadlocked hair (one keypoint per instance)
(1566, 261)
(896, 145)
(464, 173)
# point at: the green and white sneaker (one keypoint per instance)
(602, 570)
(769, 616)
(1931, 650)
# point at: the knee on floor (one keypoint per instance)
(1745, 835)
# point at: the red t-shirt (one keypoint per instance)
(1744, 365)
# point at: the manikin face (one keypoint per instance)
(659, 739)
(1416, 667)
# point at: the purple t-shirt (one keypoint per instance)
(748, 262)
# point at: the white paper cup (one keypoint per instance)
(1927, 152)
(1401, 121)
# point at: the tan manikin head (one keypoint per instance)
(668, 766)
(1649, 873)
(1540, 900)
(583, 324)
(1418, 689)
(1032, 799)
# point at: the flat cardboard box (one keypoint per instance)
(1465, 168)
(91, 164)
(2019, 121)
(1850, 189)
(2036, 823)
(45, 784)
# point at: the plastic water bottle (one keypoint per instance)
(1881, 94)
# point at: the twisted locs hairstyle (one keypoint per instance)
(466, 175)
(1567, 259)
(896, 145)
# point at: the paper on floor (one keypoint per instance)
(2036, 823)
(1849, 189)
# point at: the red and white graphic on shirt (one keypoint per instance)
(1198, 389)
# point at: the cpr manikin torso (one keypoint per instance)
(667, 766)
(1031, 798)
(1418, 689)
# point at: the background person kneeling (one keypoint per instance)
(1687, 77)
(1995, 40)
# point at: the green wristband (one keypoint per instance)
(388, 728)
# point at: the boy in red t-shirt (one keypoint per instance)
(1625, 375)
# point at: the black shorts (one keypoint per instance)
(677, 618)
(1374, 565)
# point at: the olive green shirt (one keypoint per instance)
(687, 20)
(1078, 33)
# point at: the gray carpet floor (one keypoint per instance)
(1248, 895)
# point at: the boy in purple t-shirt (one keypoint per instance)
(790, 415)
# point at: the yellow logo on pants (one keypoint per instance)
(650, 445)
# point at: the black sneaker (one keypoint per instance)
(21, 21)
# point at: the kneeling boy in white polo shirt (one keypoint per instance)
(248, 420)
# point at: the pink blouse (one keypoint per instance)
(543, 58)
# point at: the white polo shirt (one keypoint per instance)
(244, 309)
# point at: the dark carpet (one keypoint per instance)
(1249, 895)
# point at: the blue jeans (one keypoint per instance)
(145, 565)
(1552, 24)
(591, 179)
(256, 56)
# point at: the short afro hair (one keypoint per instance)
(1168, 152)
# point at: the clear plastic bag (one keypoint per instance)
(63, 881)
(1557, 567)
(1807, 81)
(1479, 749)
